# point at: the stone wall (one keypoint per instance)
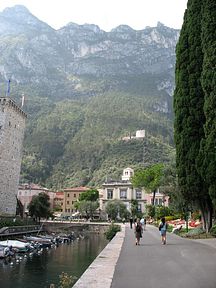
(12, 125)
(77, 227)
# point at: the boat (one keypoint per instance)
(3, 252)
(15, 245)
(43, 242)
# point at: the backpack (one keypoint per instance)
(138, 228)
(163, 227)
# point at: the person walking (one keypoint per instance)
(163, 228)
(143, 222)
(138, 231)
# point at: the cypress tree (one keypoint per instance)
(208, 151)
(188, 108)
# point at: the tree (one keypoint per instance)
(189, 106)
(134, 207)
(207, 160)
(90, 195)
(149, 178)
(88, 203)
(39, 207)
(87, 208)
(115, 209)
(150, 211)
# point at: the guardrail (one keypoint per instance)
(18, 230)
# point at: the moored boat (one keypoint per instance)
(17, 246)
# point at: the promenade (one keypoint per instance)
(180, 263)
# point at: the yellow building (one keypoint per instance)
(71, 195)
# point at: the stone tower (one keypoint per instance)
(12, 126)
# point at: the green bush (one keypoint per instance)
(194, 232)
(8, 222)
(213, 230)
(111, 232)
(169, 218)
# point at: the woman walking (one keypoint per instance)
(163, 228)
(138, 231)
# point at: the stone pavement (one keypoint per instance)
(181, 263)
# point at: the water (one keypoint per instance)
(40, 270)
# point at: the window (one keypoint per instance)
(67, 202)
(139, 207)
(158, 201)
(72, 202)
(138, 194)
(74, 195)
(123, 194)
(109, 194)
(68, 195)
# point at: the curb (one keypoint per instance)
(100, 273)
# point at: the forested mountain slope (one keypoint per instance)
(85, 89)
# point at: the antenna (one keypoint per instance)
(23, 100)
(8, 88)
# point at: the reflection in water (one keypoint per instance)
(39, 270)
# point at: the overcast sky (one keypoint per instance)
(107, 14)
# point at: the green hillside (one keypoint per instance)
(79, 142)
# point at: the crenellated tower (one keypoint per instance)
(12, 126)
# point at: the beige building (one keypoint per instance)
(71, 195)
(58, 201)
(27, 191)
(124, 191)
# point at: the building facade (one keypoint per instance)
(58, 201)
(124, 191)
(12, 126)
(27, 191)
(160, 199)
(71, 195)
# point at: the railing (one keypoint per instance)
(17, 230)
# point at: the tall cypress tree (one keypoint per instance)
(209, 87)
(188, 107)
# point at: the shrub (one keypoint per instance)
(8, 222)
(169, 218)
(111, 232)
(194, 232)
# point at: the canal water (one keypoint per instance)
(40, 270)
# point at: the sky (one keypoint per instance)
(107, 14)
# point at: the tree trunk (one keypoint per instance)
(206, 213)
(153, 199)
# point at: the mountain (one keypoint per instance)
(85, 89)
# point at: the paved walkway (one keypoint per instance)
(180, 263)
